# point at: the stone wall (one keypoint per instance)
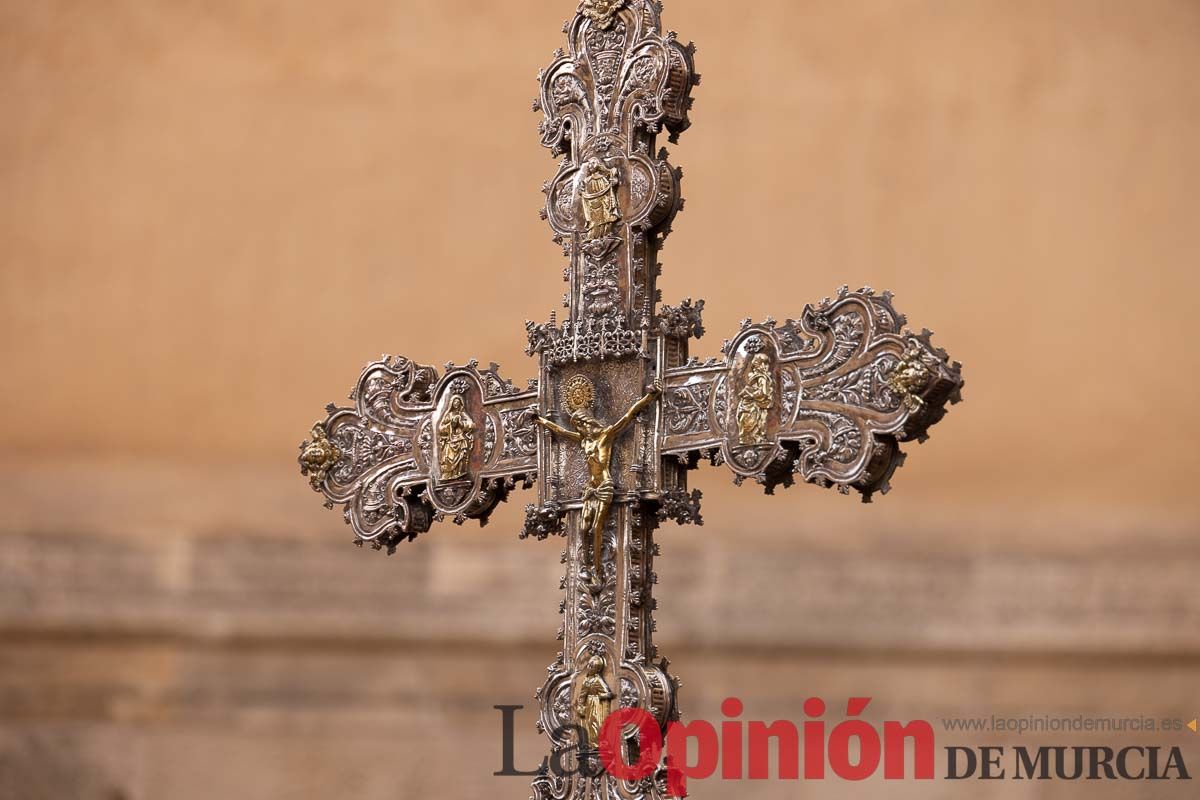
(216, 212)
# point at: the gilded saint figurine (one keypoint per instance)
(456, 438)
(597, 442)
(318, 458)
(595, 701)
(755, 400)
(909, 377)
(601, 12)
(599, 193)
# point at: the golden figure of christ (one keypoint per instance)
(596, 440)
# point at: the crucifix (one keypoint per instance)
(620, 412)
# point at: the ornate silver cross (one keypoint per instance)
(620, 413)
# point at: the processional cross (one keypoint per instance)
(620, 412)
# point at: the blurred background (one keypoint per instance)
(214, 213)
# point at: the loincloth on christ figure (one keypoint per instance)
(596, 498)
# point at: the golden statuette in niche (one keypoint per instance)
(599, 194)
(755, 399)
(595, 700)
(456, 439)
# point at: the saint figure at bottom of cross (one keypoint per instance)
(595, 701)
(596, 440)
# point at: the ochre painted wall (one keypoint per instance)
(213, 213)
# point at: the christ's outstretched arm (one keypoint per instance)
(637, 408)
(558, 430)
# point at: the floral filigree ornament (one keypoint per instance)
(562, 706)
(683, 322)
(543, 521)
(629, 694)
(755, 345)
(601, 12)
(601, 289)
(679, 505)
(910, 377)
(318, 457)
(597, 614)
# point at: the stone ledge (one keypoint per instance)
(505, 592)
